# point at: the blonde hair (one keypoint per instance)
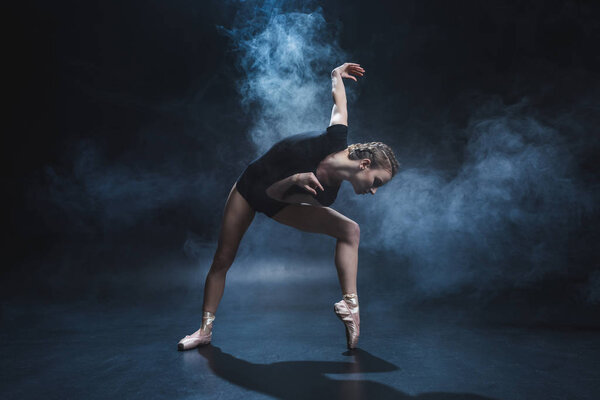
(380, 154)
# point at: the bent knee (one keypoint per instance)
(351, 232)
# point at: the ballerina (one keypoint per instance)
(294, 183)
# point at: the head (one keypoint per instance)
(375, 164)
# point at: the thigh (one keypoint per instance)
(237, 217)
(316, 220)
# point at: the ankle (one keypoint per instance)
(207, 321)
(351, 299)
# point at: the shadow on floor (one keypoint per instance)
(307, 379)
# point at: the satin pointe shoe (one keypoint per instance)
(347, 311)
(201, 337)
(194, 340)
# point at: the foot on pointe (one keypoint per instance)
(347, 311)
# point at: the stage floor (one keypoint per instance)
(102, 320)
(269, 344)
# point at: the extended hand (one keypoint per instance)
(346, 70)
(308, 181)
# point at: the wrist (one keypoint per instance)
(335, 72)
(295, 179)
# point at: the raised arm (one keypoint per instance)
(339, 113)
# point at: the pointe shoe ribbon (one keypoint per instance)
(351, 321)
(194, 340)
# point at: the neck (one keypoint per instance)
(334, 169)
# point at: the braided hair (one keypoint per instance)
(380, 154)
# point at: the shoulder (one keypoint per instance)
(310, 141)
(337, 129)
(338, 135)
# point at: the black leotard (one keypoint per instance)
(294, 154)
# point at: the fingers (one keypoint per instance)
(348, 76)
(352, 66)
(355, 66)
(357, 71)
(311, 183)
(316, 182)
(308, 188)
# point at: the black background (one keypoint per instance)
(152, 86)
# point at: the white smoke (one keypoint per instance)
(503, 220)
(285, 58)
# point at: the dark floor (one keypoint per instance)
(276, 339)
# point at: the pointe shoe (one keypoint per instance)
(350, 317)
(201, 336)
(194, 340)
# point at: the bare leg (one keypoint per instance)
(346, 263)
(330, 222)
(237, 217)
(347, 232)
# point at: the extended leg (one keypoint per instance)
(237, 217)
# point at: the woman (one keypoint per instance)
(293, 183)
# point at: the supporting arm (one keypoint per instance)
(306, 180)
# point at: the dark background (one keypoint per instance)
(130, 123)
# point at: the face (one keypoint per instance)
(368, 180)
